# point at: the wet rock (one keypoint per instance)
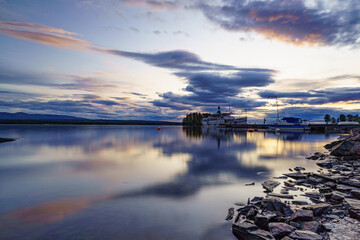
(305, 235)
(287, 211)
(250, 184)
(342, 149)
(302, 215)
(328, 226)
(315, 180)
(286, 238)
(355, 194)
(299, 169)
(289, 184)
(354, 213)
(269, 185)
(312, 195)
(346, 229)
(336, 198)
(262, 219)
(249, 231)
(244, 210)
(319, 209)
(342, 187)
(354, 203)
(331, 145)
(296, 175)
(312, 226)
(280, 195)
(325, 164)
(300, 202)
(230, 214)
(279, 230)
(350, 182)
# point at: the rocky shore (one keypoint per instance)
(330, 204)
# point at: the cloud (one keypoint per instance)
(297, 22)
(316, 97)
(34, 27)
(154, 4)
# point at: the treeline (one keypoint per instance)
(342, 118)
(194, 119)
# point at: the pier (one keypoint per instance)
(314, 127)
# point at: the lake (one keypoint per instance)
(135, 182)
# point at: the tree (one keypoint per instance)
(333, 120)
(357, 118)
(342, 118)
(327, 118)
(194, 119)
(350, 117)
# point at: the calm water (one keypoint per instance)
(134, 182)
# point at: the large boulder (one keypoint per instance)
(269, 185)
(279, 229)
(342, 149)
(249, 231)
(302, 215)
(305, 235)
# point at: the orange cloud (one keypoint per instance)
(57, 40)
(35, 27)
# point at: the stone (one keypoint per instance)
(262, 219)
(289, 184)
(249, 231)
(299, 169)
(269, 185)
(286, 238)
(300, 202)
(302, 215)
(230, 214)
(355, 194)
(325, 164)
(312, 195)
(279, 230)
(342, 187)
(319, 209)
(350, 182)
(295, 175)
(312, 226)
(342, 149)
(305, 235)
(250, 184)
(280, 195)
(354, 213)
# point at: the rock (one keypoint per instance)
(350, 182)
(354, 203)
(289, 184)
(312, 195)
(355, 194)
(300, 202)
(269, 185)
(287, 211)
(230, 214)
(279, 229)
(244, 210)
(305, 235)
(354, 213)
(328, 226)
(312, 226)
(262, 219)
(295, 175)
(319, 209)
(250, 184)
(280, 195)
(248, 231)
(302, 215)
(273, 204)
(342, 149)
(355, 150)
(299, 169)
(325, 164)
(346, 229)
(286, 238)
(342, 187)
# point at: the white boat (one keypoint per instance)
(289, 124)
(220, 119)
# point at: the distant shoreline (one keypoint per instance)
(88, 122)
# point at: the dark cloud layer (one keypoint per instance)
(316, 97)
(331, 23)
(209, 84)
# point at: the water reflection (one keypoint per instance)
(70, 174)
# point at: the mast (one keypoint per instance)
(277, 110)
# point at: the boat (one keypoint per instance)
(289, 124)
(220, 119)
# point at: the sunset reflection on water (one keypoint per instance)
(134, 182)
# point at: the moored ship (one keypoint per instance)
(220, 119)
(289, 124)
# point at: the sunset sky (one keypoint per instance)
(158, 60)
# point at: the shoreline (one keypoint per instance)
(332, 193)
(3, 140)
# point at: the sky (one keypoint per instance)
(159, 60)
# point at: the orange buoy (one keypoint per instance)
(158, 128)
(251, 130)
